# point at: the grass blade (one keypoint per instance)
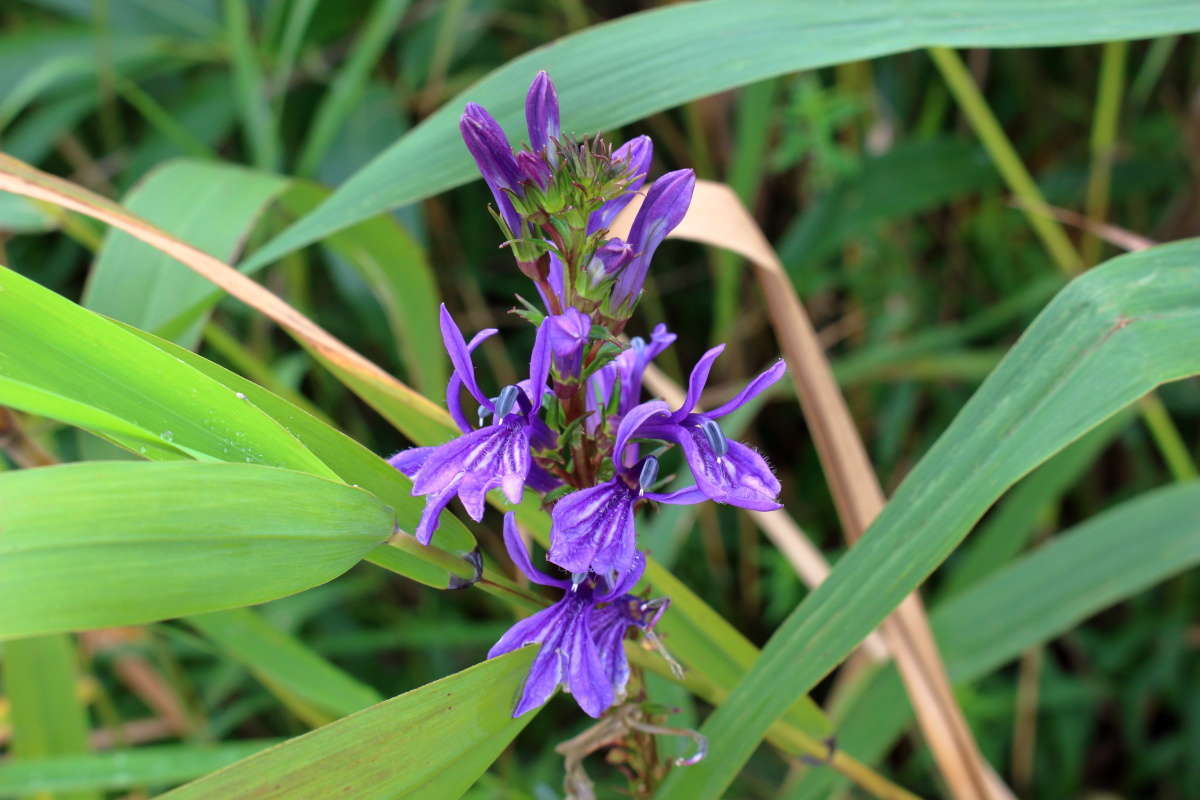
(48, 718)
(349, 83)
(432, 742)
(99, 544)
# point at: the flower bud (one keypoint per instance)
(489, 147)
(635, 155)
(665, 206)
(541, 113)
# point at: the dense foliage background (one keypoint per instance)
(894, 224)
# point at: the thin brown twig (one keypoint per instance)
(1116, 236)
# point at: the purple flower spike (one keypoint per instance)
(493, 155)
(637, 154)
(664, 208)
(568, 333)
(568, 653)
(725, 471)
(541, 112)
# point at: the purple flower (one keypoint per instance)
(493, 155)
(495, 456)
(609, 625)
(541, 112)
(568, 334)
(636, 154)
(592, 529)
(627, 369)
(664, 208)
(569, 654)
(725, 471)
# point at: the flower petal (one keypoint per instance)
(520, 556)
(586, 678)
(633, 363)
(410, 461)
(753, 389)
(460, 355)
(739, 478)
(631, 423)
(592, 529)
(539, 365)
(627, 579)
(435, 504)
(545, 675)
(454, 387)
(533, 629)
(609, 625)
(697, 381)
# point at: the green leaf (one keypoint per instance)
(931, 172)
(1014, 522)
(393, 264)
(58, 357)
(625, 70)
(1108, 338)
(260, 128)
(352, 462)
(1076, 574)
(157, 765)
(98, 544)
(48, 718)
(430, 743)
(209, 205)
(317, 690)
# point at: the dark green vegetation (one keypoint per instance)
(1067, 618)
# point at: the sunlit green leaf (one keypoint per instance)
(99, 544)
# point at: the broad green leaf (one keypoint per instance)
(627, 69)
(1108, 338)
(316, 689)
(393, 264)
(48, 717)
(17, 394)
(98, 544)
(352, 462)
(209, 205)
(1040, 596)
(154, 766)
(1014, 522)
(74, 358)
(430, 743)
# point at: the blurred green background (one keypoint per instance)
(895, 226)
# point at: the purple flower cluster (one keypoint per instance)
(576, 430)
